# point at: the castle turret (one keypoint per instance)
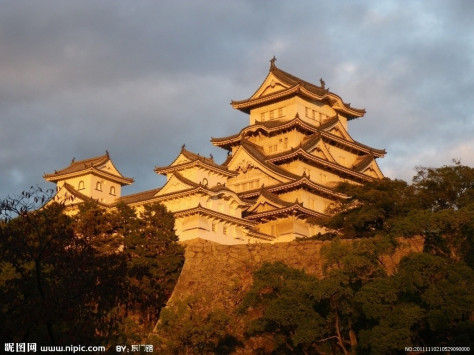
(94, 178)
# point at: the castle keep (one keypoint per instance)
(281, 169)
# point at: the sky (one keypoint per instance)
(142, 78)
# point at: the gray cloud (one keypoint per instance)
(141, 78)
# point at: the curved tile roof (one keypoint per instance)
(194, 160)
(211, 213)
(91, 165)
(303, 182)
(300, 153)
(298, 86)
(295, 208)
(277, 126)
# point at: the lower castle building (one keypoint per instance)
(280, 173)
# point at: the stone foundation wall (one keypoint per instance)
(220, 275)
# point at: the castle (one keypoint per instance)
(276, 183)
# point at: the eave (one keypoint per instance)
(253, 151)
(299, 90)
(295, 209)
(301, 153)
(198, 190)
(304, 183)
(196, 163)
(91, 170)
(227, 142)
(200, 210)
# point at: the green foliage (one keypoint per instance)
(187, 328)
(448, 187)
(358, 307)
(439, 206)
(428, 301)
(71, 280)
(154, 259)
(370, 207)
(357, 262)
(55, 278)
(297, 311)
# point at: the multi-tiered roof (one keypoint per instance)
(297, 142)
(278, 179)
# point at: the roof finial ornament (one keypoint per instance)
(211, 156)
(107, 153)
(323, 83)
(183, 146)
(272, 62)
(73, 160)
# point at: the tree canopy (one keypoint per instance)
(438, 205)
(83, 277)
(357, 307)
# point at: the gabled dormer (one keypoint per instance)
(196, 168)
(96, 178)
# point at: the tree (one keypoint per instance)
(187, 328)
(358, 308)
(439, 206)
(284, 299)
(369, 209)
(57, 288)
(446, 197)
(448, 187)
(154, 259)
(82, 278)
(428, 302)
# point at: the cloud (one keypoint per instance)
(142, 78)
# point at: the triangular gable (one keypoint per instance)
(270, 85)
(180, 159)
(320, 150)
(338, 130)
(373, 170)
(174, 184)
(264, 203)
(109, 168)
(243, 161)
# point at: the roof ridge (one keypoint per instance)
(256, 152)
(274, 198)
(184, 179)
